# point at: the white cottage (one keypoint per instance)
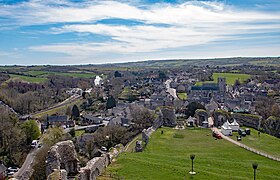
(226, 129)
(234, 125)
(190, 121)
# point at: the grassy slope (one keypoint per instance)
(28, 79)
(230, 78)
(264, 143)
(73, 74)
(168, 158)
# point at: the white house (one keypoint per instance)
(226, 129)
(190, 121)
(234, 125)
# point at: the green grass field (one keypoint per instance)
(27, 78)
(230, 78)
(167, 158)
(265, 143)
(182, 96)
(70, 74)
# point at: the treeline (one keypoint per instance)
(15, 137)
(26, 98)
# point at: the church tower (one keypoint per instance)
(222, 84)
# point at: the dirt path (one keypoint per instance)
(246, 147)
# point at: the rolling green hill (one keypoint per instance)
(167, 158)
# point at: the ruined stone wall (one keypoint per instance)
(249, 120)
(62, 156)
(167, 115)
(146, 133)
(98, 164)
(272, 126)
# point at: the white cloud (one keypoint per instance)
(189, 23)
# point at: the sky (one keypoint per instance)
(34, 32)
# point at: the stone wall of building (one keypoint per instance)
(62, 156)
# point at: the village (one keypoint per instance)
(116, 109)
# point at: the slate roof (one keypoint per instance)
(57, 118)
(204, 88)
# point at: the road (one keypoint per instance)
(65, 102)
(27, 164)
(170, 90)
(245, 147)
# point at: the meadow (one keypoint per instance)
(168, 157)
(230, 78)
(265, 143)
(27, 78)
(69, 74)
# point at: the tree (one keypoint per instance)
(162, 75)
(72, 132)
(275, 110)
(52, 136)
(111, 102)
(31, 130)
(142, 116)
(75, 111)
(237, 82)
(118, 74)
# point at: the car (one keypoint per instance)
(13, 169)
(10, 173)
(103, 148)
(34, 143)
(216, 135)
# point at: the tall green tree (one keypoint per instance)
(31, 130)
(75, 111)
(111, 102)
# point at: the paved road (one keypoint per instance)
(27, 164)
(170, 90)
(245, 147)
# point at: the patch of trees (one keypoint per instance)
(266, 107)
(15, 138)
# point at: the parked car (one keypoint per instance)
(216, 135)
(34, 143)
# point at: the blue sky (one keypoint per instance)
(83, 32)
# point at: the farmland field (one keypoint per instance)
(230, 78)
(69, 74)
(27, 78)
(167, 157)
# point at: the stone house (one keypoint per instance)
(90, 119)
(60, 121)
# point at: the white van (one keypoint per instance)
(34, 143)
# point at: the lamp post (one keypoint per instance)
(192, 156)
(255, 166)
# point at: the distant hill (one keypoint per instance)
(261, 61)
